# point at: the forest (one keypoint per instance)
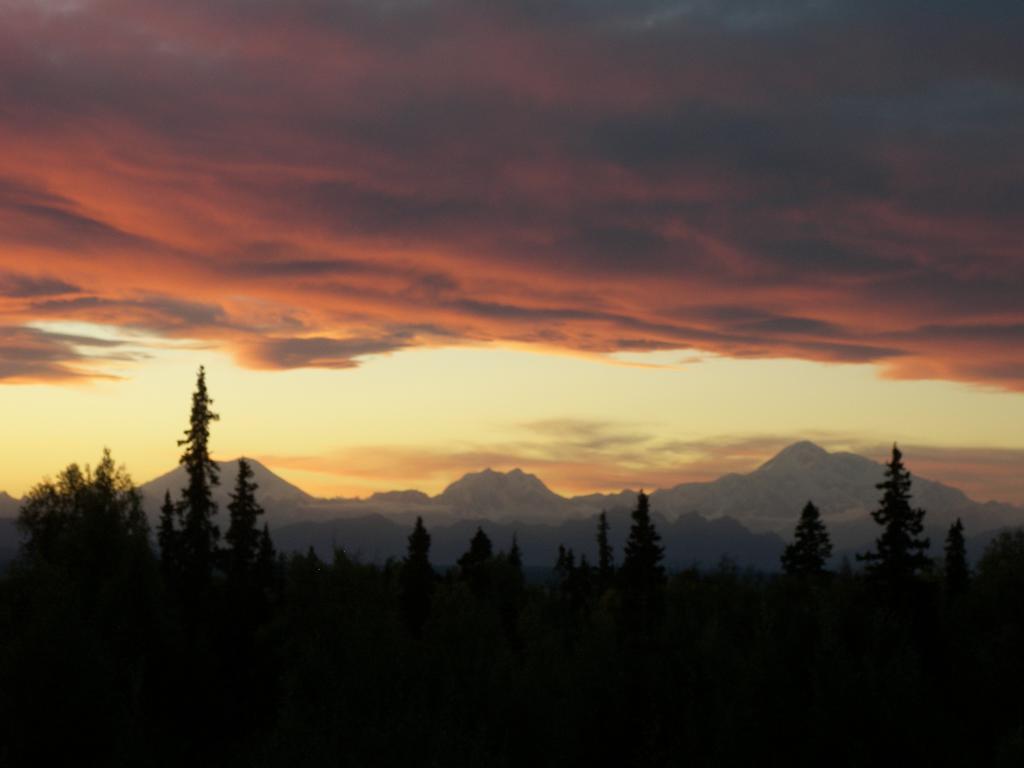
(197, 643)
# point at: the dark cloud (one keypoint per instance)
(32, 216)
(32, 355)
(17, 286)
(598, 176)
(162, 314)
(318, 352)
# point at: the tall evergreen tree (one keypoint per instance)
(265, 560)
(642, 574)
(605, 556)
(811, 547)
(473, 565)
(565, 567)
(900, 551)
(515, 556)
(509, 589)
(480, 550)
(583, 584)
(168, 537)
(572, 580)
(417, 579)
(243, 536)
(199, 533)
(957, 571)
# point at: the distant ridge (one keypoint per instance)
(745, 516)
(279, 497)
(9, 506)
(767, 499)
(503, 495)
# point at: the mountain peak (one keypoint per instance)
(496, 478)
(798, 456)
(9, 505)
(490, 492)
(272, 489)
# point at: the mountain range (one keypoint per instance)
(767, 500)
(744, 516)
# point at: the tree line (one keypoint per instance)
(216, 649)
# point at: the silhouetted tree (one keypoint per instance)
(582, 588)
(572, 581)
(199, 533)
(243, 536)
(605, 556)
(417, 579)
(811, 547)
(642, 575)
(509, 587)
(169, 539)
(1002, 564)
(565, 566)
(246, 608)
(474, 563)
(956, 570)
(266, 560)
(899, 552)
(86, 625)
(72, 520)
(480, 550)
(515, 556)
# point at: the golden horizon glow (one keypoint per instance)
(421, 418)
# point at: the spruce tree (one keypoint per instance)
(565, 567)
(510, 590)
(199, 533)
(957, 572)
(515, 556)
(243, 536)
(900, 551)
(417, 579)
(168, 537)
(642, 575)
(473, 565)
(265, 562)
(605, 557)
(480, 550)
(811, 547)
(582, 585)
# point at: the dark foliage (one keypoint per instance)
(956, 569)
(323, 663)
(199, 534)
(243, 536)
(79, 621)
(169, 538)
(811, 547)
(642, 577)
(417, 579)
(900, 551)
(474, 565)
(605, 556)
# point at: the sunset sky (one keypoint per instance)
(613, 243)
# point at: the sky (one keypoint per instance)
(617, 244)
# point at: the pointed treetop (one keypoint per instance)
(900, 550)
(957, 571)
(515, 556)
(811, 547)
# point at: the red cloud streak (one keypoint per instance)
(305, 183)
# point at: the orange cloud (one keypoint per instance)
(307, 183)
